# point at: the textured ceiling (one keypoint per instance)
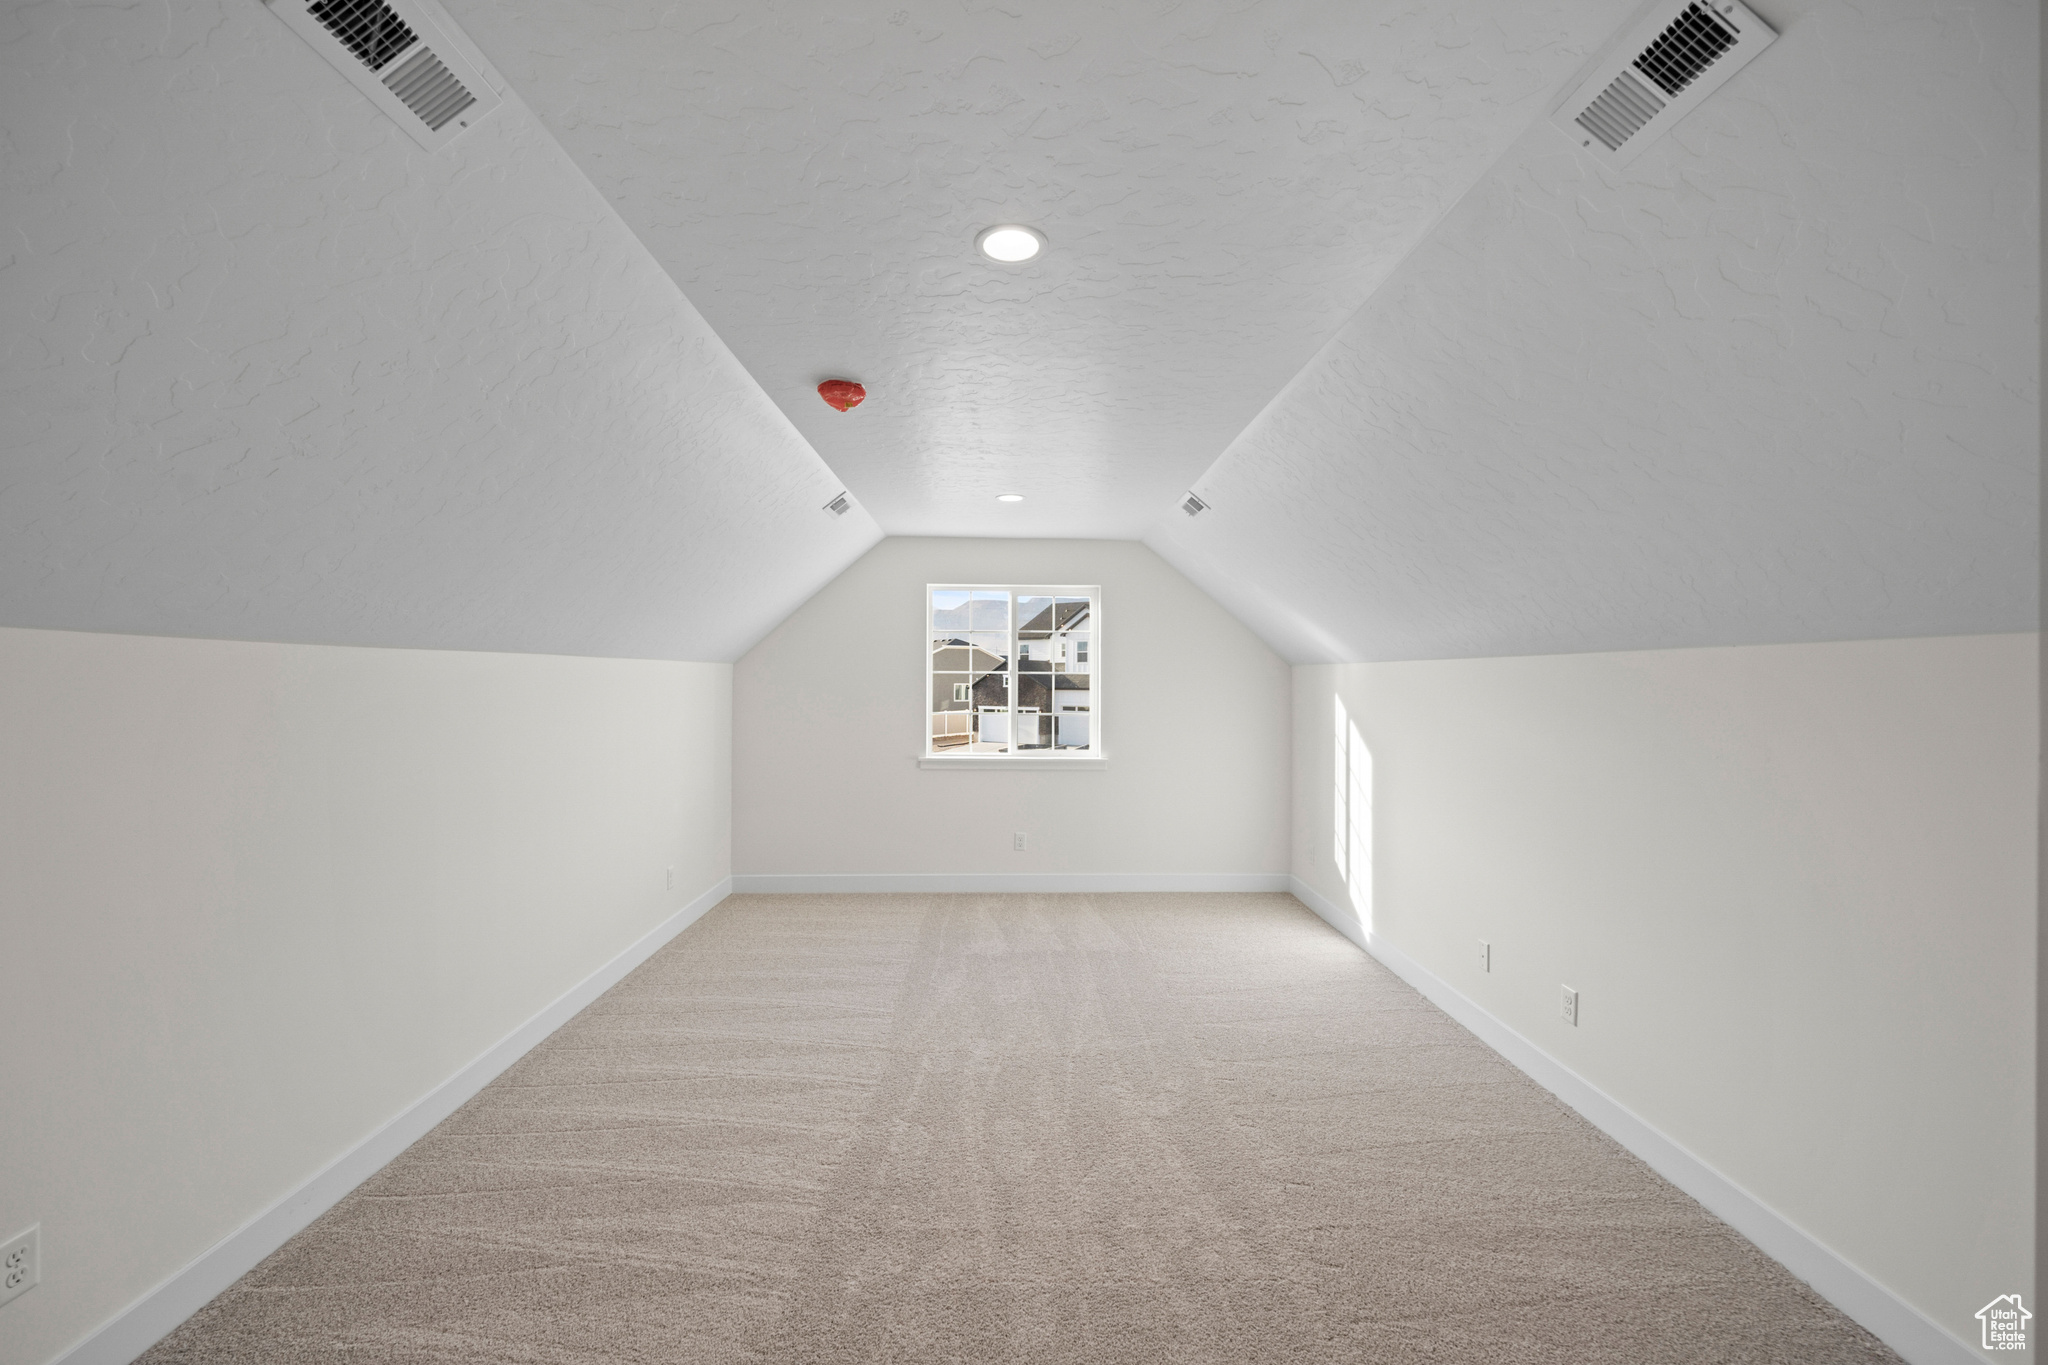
(1775, 381)
(272, 372)
(1223, 183)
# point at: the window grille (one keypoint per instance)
(1013, 670)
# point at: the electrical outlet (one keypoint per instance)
(670, 883)
(1571, 1007)
(1021, 841)
(1485, 956)
(21, 1263)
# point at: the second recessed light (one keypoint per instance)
(1009, 497)
(1010, 244)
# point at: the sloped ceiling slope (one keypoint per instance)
(1775, 381)
(1223, 182)
(272, 372)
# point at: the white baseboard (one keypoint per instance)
(786, 883)
(1899, 1325)
(1332, 914)
(150, 1318)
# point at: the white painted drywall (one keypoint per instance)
(256, 899)
(274, 373)
(1222, 185)
(1777, 380)
(829, 720)
(1793, 885)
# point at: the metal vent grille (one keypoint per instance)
(1194, 506)
(1622, 109)
(424, 75)
(1694, 42)
(429, 89)
(1656, 72)
(370, 28)
(840, 505)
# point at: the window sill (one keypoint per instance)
(1012, 761)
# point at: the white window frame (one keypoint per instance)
(1093, 756)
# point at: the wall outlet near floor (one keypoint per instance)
(1571, 1007)
(21, 1263)
(1021, 841)
(1485, 956)
(669, 884)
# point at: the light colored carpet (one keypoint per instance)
(1045, 1129)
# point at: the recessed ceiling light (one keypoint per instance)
(1010, 243)
(1009, 497)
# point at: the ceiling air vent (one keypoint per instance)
(1662, 67)
(840, 505)
(401, 58)
(1194, 506)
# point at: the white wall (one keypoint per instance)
(257, 899)
(829, 721)
(1793, 885)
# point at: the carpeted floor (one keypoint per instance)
(1045, 1129)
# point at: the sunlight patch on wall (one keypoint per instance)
(1351, 839)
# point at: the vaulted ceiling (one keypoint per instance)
(274, 372)
(1774, 381)
(1222, 184)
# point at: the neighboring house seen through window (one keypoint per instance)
(1013, 670)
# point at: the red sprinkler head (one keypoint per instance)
(843, 394)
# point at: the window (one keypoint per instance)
(1013, 671)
